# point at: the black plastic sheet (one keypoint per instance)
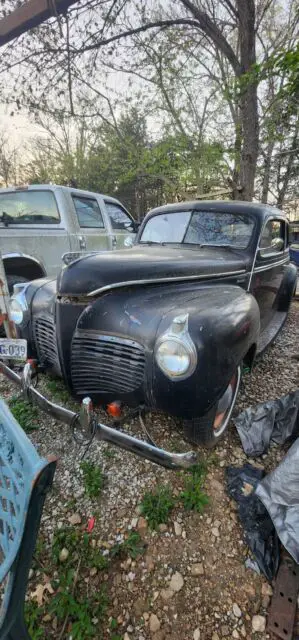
(260, 533)
(273, 421)
(279, 492)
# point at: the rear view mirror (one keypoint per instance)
(277, 244)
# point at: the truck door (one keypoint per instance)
(30, 223)
(94, 234)
(121, 222)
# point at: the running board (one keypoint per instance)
(270, 332)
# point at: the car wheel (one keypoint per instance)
(208, 430)
(11, 280)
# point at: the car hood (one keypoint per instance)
(148, 263)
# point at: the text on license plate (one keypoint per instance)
(15, 349)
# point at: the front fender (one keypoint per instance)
(224, 323)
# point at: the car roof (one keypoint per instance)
(55, 187)
(231, 206)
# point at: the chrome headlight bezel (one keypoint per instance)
(19, 298)
(178, 333)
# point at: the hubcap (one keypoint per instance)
(226, 404)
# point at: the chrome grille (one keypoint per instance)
(45, 340)
(108, 364)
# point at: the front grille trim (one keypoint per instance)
(103, 363)
(44, 333)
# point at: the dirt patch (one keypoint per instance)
(187, 580)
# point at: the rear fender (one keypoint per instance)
(287, 288)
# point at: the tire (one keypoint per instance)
(12, 279)
(201, 431)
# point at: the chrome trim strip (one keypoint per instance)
(136, 283)
(102, 432)
(272, 265)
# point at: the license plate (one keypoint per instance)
(14, 349)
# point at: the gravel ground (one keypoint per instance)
(200, 556)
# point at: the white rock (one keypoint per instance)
(127, 637)
(166, 594)
(197, 569)
(236, 610)
(154, 623)
(215, 532)
(75, 519)
(196, 634)
(258, 624)
(177, 529)
(236, 634)
(64, 554)
(176, 582)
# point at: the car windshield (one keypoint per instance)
(199, 228)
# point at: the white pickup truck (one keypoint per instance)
(40, 223)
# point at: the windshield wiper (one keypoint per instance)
(221, 246)
(150, 242)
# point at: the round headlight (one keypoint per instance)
(173, 357)
(16, 312)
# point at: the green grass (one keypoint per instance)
(25, 413)
(157, 505)
(132, 546)
(77, 607)
(33, 616)
(192, 496)
(58, 390)
(93, 479)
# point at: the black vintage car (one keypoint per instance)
(168, 324)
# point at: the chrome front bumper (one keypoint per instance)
(85, 422)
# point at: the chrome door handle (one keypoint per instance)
(114, 242)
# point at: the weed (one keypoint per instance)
(58, 390)
(78, 609)
(157, 505)
(109, 453)
(113, 624)
(33, 616)
(193, 498)
(92, 478)
(132, 546)
(25, 413)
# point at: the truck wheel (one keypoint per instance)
(208, 430)
(12, 279)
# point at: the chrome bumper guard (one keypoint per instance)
(90, 428)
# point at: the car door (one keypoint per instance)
(121, 222)
(272, 257)
(30, 223)
(95, 235)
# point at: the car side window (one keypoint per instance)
(273, 237)
(119, 218)
(28, 207)
(88, 212)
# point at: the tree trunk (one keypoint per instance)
(248, 98)
(267, 171)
